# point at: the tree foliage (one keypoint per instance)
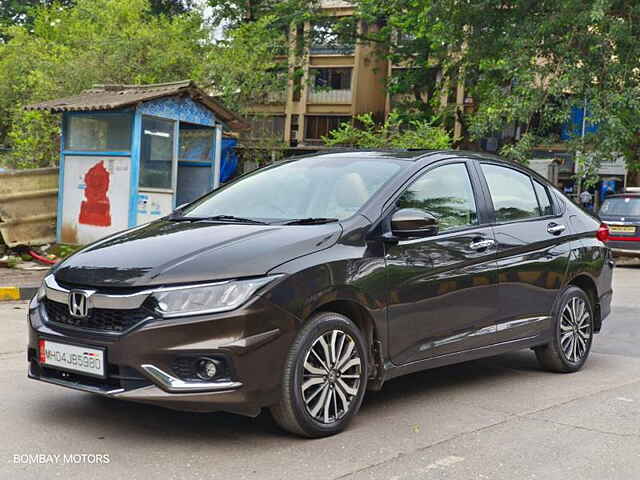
(233, 13)
(96, 41)
(22, 12)
(525, 63)
(249, 65)
(393, 133)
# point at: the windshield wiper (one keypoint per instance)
(216, 218)
(310, 221)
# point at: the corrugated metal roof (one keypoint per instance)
(111, 97)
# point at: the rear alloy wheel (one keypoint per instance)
(575, 329)
(325, 377)
(573, 334)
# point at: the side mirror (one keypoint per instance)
(413, 223)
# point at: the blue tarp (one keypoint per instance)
(197, 149)
(229, 159)
(195, 168)
(573, 128)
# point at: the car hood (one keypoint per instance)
(164, 253)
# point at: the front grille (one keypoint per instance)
(99, 319)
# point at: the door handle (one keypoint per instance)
(481, 245)
(555, 229)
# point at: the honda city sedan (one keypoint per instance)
(298, 287)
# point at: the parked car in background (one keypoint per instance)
(301, 285)
(621, 213)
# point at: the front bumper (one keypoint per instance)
(253, 340)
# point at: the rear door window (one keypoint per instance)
(546, 207)
(512, 193)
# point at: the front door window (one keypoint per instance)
(446, 193)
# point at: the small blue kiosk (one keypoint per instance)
(131, 153)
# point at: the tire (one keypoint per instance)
(572, 339)
(329, 400)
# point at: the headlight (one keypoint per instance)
(42, 292)
(211, 298)
(38, 297)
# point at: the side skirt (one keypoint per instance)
(393, 371)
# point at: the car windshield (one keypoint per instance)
(621, 206)
(313, 188)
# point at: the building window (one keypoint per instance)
(332, 78)
(330, 36)
(330, 86)
(266, 126)
(318, 126)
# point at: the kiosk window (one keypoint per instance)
(99, 132)
(156, 153)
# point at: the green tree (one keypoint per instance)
(96, 41)
(393, 133)
(249, 65)
(525, 63)
(284, 12)
(171, 7)
(21, 12)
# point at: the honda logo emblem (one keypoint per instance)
(78, 304)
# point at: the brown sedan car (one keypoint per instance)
(300, 286)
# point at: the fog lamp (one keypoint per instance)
(206, 369)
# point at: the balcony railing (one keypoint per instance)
(330, 96)
(276, 97)
(332, 50)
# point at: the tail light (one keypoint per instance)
(603, 232)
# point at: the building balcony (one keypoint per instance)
(332, 50)
(340, 97)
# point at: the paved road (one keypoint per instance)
(500, 418)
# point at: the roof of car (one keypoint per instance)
(369, 153)
(394, 154)
(399, 154)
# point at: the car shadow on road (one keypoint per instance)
(111, 417)
(453, 377)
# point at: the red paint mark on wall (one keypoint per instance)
(95, 210)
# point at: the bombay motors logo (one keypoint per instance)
(78, 304)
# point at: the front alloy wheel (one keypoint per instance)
(324, 378)
(331, 378)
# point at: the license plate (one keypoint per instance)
(621, 229)
(74, 358)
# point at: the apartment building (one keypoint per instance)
(328, 83)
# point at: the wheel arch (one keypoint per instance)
(588, 285)
(363, 319)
